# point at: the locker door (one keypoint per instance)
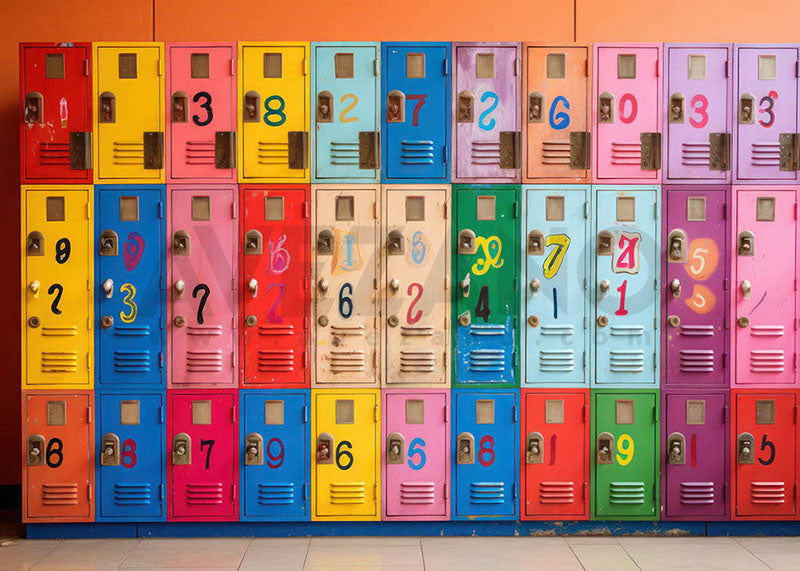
(203, 278)
(131, 457)
(626, 280)
(346, 271)
(346, 134)
(556, 275)
(59, 472)
(274, 112)
(486, 112)
(485, 284)
(56, 113)
(130, 282)
(201, 115)
(416, 250)
(416, 111)
(57, 284)
(275, 453)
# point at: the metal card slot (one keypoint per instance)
(509, 149)
(325, 243)
(273, 65)
(535, 107)
(254, 450)
(253, 243)
(345, 411)
(54, 66)
(344, 65)
(466, 242)
(651, 151)
(676, 449)
(129, 412)
(395, 245)
(415, 411)
(201, 208)
(534, 448)
(395, 448)
(273, 412)
(696, 208)
(324, 107)
(626, 209)
(624, 411)
(415, 66)
(484, 65)
(126, 66)
(252, 106)
(181, 243)
(677, 106)
(767, 67)
(465, 448)
(415, 208)
(109, 450)
(580, 150)
(181, 449)
(55, 208)
(556, 66)
(554, 208)
(484, 411)
(605, 108)
(790, 151)
(720, 158)
(324, 448)
(109, 243)
(604, 448)
(80, 150)
(36, 450)
(747, 103)
(465, 110)
(745, 452)
(605, 243)
(677, 242)
(395, 107)
(745, 244)
(298, 150)
(273, 208)
(107, 108)
(56, 413)
(368, 149)
(535, 245)
(201, 412)
(626, 66)
(765, 208)
(554, 411)
(765, 411)
(34, 105)
(35, 244)
(696, 412)
(696, 65)
(485, 208)
(153, 150)
(200, 66)
(180, 107)
(225, 149)
(129, 208)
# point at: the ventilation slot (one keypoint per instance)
(347, 361)
(347, 493)
(128, 153)
(555, 152)
(276, 494)
(276, 329)
(273, 153)
(416, 330)
(558, 330)
(697, 493)
(417, 362)
(344, 330)
(768, 493)
(131, 361)
(556, 492)
(60, 331)
(53, 153)
(416, 152)
(275, 360)
(488, 329)
(344, 153)
(204, 330)
(487, 360)
(627, 493)
(123, 331)
(417, 493)
(557, 361)
(697, 330)
(629, 330)
(60, 494)
(696, 154)
(204, 494)
(487, 492)
(697, 360)
(485, 153)
(132, 494)
(200, 152)
(766, 361)
(626, 153)
(59, 362)
(765, 154)
(766, 330)
(204, 361)
(627, 361)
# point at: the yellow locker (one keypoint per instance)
(129, 112)
(345, 460)
(273, 112)
(57, 287)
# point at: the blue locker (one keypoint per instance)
(129, 286)
(416, 111)
(486, 454)
(345, 83)
(130, 458)
(274, 463)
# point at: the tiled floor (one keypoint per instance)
(409, 553)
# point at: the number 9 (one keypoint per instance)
(625, 447)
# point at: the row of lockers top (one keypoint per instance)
(371, 111)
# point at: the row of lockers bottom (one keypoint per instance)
(403, 454)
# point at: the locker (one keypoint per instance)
(695, 459)
(626, 450)
(130, 276)
(485, 233)
(625, 285)
(273, 112)
(57, 287)
(128, 117)
(766, 113)
(486, 112)
(695, 304)
(345, 472)
(131, 460)
(415, 255)
(202, 300)
(555, 454)
(764, 459)
(346, 134)
(201, 114)
(697, 114)
(202, 434)
(416, 111)
(274, 464)
(764, 296)
(55, 129)
(556, 141)
(275, 288)
(554, 279)
(415, 468)
(627, 113)
(485, 454)
(57, 456)
(345, 297)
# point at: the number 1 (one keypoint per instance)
(621, 289)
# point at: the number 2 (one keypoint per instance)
(343, 118)
(412, 317)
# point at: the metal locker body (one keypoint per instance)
(57, 287)
(55, 105)
(202, 284)
(128, 112)
(555, 273)
(697, 112)
(415, 255)
(201, 112)
(485, 485)
(129, 281)
(555, 454)
(626, 250)
(273, 112)
(205, 487)
(416, 112)
(58, 477)
(274, 485)
(484, 285)
(131, 473)
(345, 87)
(486, 112)
(345, 461)
(626, 103)
(416, 484)
(695, 287)
(556, 139)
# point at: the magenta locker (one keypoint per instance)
(627, 114)
(698, 85)
(201, 112)
(486, 112)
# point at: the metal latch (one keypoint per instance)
(368, 150)
(790, 151)
(395, 448)
(677, 246)
(534, 448)
(580, 150)
(109, 455)
(605, 241)
(744, 448)
(181, 449)
(80, 150)
(536, 243)
(253, 243)
(677, 104)
(465, 448)
(604, 453)
(466, 242)
(720, 157)
(745, 245)
(676, 449)
(36, 447)
(153, 150)
(254, 450)
(298, 150)
(324, 449)
(109, 243)
(181, 243)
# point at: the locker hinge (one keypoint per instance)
(446, 492)
(88, 324)
(585, 413)
(446, 66)
(446, 414)
(160, 64)
(725, 211)
(725, 360)
(445, 211)
(584, 361)
(585, 209)
(233, 414)
(655, 211)
(87, 69)
(233, 491)
(375, 413)
(585, 284)
(655, 360)
(796, 413)
(160, 360)
(160, 210)
(89, 492)
(725, 413)
(233, 284)
(88, 361)
(794, 361)
(585, 486)
(233, 322)
(445, 158)
(88, 211)
(514, 353)
(655, 284)
(374, 210)
(655, 413)
(795, 324)
(725, 283)
(516, 66)
(795, 211)
(725, 322)
(162, 414)
(375, 491)
(514, 412)
(305, 356)
(376, 67)
(515, 319)
(88, 284)
(727, 68)
(514, 209)
(658, 68)
(233, 67)
(514, 490)
(163, 323)
(725, 491)
(375, 283)
(161, 283)
(585, 322)
(797, 69)
(306, 209)
(233, 210)
(655, 491)
(305, 414)
(233, 360)
(306, 487)
(305, 66)
(655, 323)
(161, 491)
(794, 495)
(89, 415)
(586, 68)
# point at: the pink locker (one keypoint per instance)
(415, 470)
(202, 286)
(201, 112)
(626, 108)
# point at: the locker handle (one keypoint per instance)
(34, 287)
(108, 287)
(394, 284)
(746, 288)
(605, 285)
(535, 284)
(252, 285)
(675, 286)
(464, 285)
(323, 285)
(179, 286)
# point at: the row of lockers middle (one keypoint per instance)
(384, 112)
(350, 286)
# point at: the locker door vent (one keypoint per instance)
(556, 492)
(417, 362)
(627, 361)
(766, 361)
(347, 361)
(59, 361)
(60, 494)
(626, 493)
(483, 493)
(417, 493)
(204, 494)
(485, 153)
(626, 153)
(131, 361)
(557, 361)
(697, 493)
(276, 494)
(697, 360)
(556, 152)
(275, 360)
(696, 154)
(132, 494)
(348, 493)
(204, 361)
(269, 329)
(487, 360)
(416, 152)
(52, 153)
(772, 493)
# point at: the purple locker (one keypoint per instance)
(694, 460)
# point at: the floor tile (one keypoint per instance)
(364, 568)
(601, 557)
(371, 555)
(781, 561)
(773, 545)
(99, 554)
(358, 541)
(590, 540)
(188, 553)
(286, 554)
(502, 553)
(667, 553)
(24, 553)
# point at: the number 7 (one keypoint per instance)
(210, 444)
(420, 99)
